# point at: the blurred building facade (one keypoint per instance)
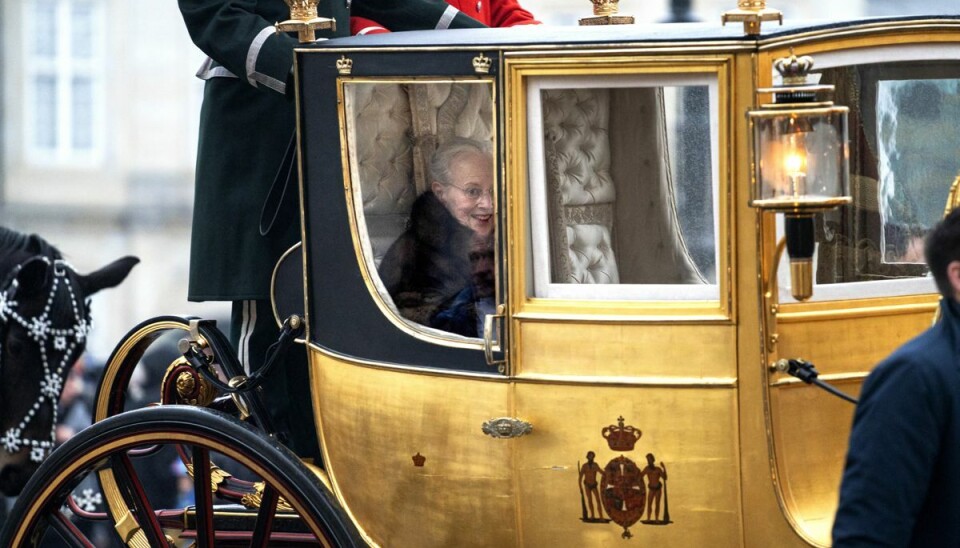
(98, 131)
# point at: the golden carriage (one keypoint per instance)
(639, 303)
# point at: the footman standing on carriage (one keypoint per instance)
(246, 128)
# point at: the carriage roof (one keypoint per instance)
(611, 35)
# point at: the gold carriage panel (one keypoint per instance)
(811, 427)
(407, 456)
(845, 339)
(626, 350)
(810, 452)
(664, 461)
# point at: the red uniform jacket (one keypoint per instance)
(492, 13)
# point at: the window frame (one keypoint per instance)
(358, 225)
(520, 71)
(540, 244)
(64, 69)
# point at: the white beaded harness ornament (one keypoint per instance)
(58, 347)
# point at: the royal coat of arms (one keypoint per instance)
(623, 490)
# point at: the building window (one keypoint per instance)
(64, 60)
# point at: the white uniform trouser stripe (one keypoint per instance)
(447, 18)
(246, 330)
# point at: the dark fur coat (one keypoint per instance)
(429, 263)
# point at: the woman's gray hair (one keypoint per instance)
(443, 158)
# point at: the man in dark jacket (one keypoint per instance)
(246, 122)
(902, 476)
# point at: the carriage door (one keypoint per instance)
(871, 292)
(402, 275)
(623, 347)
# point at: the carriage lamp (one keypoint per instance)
(800, 161)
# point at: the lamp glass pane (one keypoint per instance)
(800, 157)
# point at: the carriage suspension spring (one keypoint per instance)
(291, 329)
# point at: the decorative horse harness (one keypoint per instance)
(58, 347)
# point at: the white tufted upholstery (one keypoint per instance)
(577, 150)
(591, 257)
(396, 129)
(384, 160)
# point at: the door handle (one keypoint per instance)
(492, 337)
(506, 427)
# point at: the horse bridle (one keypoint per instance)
(52, 342)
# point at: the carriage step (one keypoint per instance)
(234, 524)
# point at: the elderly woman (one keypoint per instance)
(429, 265)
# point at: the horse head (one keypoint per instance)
(44, 322)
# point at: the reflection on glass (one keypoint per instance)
(917, 142)
(629, 186)
(903, 157)
(422, 165)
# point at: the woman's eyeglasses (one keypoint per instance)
(473, 192)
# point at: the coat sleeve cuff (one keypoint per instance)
(269, 60)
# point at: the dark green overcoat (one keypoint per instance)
(246, 123)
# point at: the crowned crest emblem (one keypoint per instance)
(620, 437)
(344, 65)
(481, 64)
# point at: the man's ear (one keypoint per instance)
(437, 188)
(953, 274)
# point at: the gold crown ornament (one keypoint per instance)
(605, 13)
(752, 13)
(793, 69)
(481, 64)
(304, 20)
(344, 65)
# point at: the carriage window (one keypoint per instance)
(903, 157)
(423, 178)
(623, 187)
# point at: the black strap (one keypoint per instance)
(278, 190)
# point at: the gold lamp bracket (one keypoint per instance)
(305, 21)
(752, 13)
(771, 299)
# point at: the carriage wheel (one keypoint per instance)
(108, 449)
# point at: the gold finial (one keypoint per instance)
(481, 64)
(304, 20)
(605, 13)
(605, 7)
(752, 13)
(344, 65)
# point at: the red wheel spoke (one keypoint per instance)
(71, 536)
(203, 495)
(264, 524)
(143, 510)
